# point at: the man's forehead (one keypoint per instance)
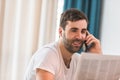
(81, 24)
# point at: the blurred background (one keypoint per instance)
(26, 25)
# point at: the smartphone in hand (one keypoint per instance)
(85, 46)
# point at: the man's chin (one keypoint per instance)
(76, 49)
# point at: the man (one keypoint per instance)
(58, 60)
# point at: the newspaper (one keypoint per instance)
(98, 67)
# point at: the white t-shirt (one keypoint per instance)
(49, 58)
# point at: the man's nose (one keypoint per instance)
(79, 36)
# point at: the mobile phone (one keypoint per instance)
(85, 46)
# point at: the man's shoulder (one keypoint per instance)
(47, 49)
(50, 47)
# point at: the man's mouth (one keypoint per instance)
(77, 43)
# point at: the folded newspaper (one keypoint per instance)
(98, 67)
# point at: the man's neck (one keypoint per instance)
(66, 55)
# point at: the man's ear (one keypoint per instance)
(60, 31)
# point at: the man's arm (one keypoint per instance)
(44, 75)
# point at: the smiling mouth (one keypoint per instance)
(77, 43)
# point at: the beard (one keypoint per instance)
(69, 44)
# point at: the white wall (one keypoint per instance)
(110, 35)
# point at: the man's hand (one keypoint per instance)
(44, 75)
(94, 44)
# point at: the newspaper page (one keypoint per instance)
(98, 67)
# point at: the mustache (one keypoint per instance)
(78, 40)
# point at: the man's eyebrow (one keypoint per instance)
(74, 28)
(84, 29)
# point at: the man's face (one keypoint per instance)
(74, 35)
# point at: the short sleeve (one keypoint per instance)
(46, 59)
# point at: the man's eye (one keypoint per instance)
(83, 31)
(74, 30)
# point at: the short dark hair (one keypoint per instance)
(71, 14)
